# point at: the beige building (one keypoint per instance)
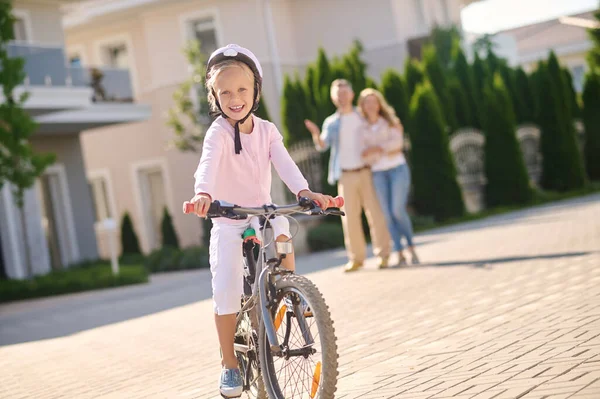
(59, 213)
(567, 37)
(130, 164)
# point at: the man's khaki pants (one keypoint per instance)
(359, 193)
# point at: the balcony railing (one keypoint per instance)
(46, 66)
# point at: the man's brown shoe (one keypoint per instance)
(383, 263)
(352, 267)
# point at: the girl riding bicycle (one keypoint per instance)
(235, 166)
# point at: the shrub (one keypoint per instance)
(163, 259)
(413, 75)
(74, 279)
(507, 180)
(464, 73)
(169, 259)
(129, 240)
(562, 166)
(169, 237)
(591, 121)
(436, 191)
(325, 236)
(194, 258)
(393, 89)
(437, 76)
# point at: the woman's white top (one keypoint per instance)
(390, 139)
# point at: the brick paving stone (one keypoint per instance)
(525, 325)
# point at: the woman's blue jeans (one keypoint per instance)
(392, 188)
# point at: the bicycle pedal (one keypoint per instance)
(230, 397)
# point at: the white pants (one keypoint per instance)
(226, 260)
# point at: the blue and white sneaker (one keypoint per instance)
(231, 384)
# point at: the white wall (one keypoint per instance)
(45, 19)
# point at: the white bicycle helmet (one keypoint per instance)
(233, 51)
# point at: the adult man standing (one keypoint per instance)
(342, 134)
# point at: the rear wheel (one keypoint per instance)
(247, 337)
(302, 370)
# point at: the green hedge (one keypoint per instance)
(327, 235)
(170, 259)
(84, 277)
(507, 180)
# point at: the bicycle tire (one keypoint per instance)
(320, 312)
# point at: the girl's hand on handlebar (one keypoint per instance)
(201, 204)
(324, 201)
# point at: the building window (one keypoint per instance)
(204, 31)
(153, 192)
(19, 30)
(116, 56)
(99, 191)
(75, 60)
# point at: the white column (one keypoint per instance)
(268, 15)
(421, 16)
(11, 249)
(445, 12)
(13, 246)
(36, 237)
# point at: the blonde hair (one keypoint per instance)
(211, 79)
(385, 110)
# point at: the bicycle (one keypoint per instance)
(280, 308)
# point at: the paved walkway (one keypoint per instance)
(508, 307)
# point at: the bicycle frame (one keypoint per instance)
(268, 264)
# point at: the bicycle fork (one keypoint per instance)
(267, 316)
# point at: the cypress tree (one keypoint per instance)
(414, 75)
(571, 94)
(591, 121)
(169, 237)
(462, 111)
(354, 68)
(436, 190)
(594, 54)
(480, 76)
(393, 89)
(508, 76)
(129, 240)
(321, 89)
(294, 110)
(437, 77)
(562, 166)
(525, 92)
(464, 73)
(446, 42)
(507, 179)
(262, 111)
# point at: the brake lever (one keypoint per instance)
(334, 212)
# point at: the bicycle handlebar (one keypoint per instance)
(231, 211)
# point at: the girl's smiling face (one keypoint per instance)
(234, 88)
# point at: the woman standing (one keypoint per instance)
(383, 142)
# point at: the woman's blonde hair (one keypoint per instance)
(211, 79)
(385, 110)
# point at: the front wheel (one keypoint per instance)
(303, 369)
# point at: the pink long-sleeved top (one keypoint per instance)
(245, 179)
